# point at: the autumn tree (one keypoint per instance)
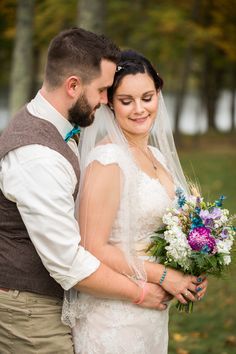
(21, 74)
(91, 15)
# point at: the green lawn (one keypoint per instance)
(212, 326)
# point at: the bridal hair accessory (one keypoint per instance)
(119, 68)
(125, 65)
(72, 132)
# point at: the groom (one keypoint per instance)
(40, 254)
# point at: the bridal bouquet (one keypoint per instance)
(197, 238)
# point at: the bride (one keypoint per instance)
(130, 171)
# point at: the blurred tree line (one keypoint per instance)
(190, 42)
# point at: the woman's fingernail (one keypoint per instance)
(199, 279)
(198, 289)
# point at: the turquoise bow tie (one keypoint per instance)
(71, 133)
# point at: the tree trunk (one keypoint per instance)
(232, 109)
(91, 15)
(21, 75)
(212, 76)
(186, 69)
(182, 90)
(232, 106)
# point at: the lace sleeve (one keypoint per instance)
(108, 154)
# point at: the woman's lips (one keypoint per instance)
(139, 120)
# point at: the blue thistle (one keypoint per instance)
(181, 197)
(205, 249)
(196, 221)
(219, 202)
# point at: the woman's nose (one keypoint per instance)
(139, 107)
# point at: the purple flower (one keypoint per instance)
(198, 202)
(224, 233)
(200, 239)
(214, 213)
(209, 223)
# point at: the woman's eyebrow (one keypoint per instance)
(126, 95)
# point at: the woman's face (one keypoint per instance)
(135, 104)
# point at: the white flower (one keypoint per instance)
(192, 199)
(185, 207)
(227, 260)
(178, 248)
(167, 218)
(231, 234)
(225, 212)
(176, 230)
(224, 246)
(170, 219)
(223, 219)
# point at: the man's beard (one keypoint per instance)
(81, 113)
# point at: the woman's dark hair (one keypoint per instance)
(132, 62)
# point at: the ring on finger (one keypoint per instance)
(186, 292)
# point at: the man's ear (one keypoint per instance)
(73, 86)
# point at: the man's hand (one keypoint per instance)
(155, 297)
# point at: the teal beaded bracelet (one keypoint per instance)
(163, 276)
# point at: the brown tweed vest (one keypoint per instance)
(20, 266)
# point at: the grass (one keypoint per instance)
(211, 328)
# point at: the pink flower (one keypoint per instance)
(200, 239)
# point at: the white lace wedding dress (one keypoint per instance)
(119, 327)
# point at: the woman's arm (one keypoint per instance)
(99, 203)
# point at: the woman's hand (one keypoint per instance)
(155, 297)
(202, 288)
(184, 287)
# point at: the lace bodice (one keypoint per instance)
(148, 199)
(118, 327)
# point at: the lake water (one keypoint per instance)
(193, 119)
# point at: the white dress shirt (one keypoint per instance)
(41, 182)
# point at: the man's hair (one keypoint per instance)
(78, 52)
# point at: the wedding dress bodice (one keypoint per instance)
(148, 200)
(112, 326)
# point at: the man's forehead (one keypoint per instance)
(106, 75)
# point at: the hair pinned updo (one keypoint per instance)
(131, 63)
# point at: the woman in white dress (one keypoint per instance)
(130, 170)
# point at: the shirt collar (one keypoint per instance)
(41, 108)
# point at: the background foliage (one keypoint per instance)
(191, 42)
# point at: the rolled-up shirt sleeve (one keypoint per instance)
(41, 182)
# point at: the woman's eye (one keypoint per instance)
(147, 99)
(125, 102)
